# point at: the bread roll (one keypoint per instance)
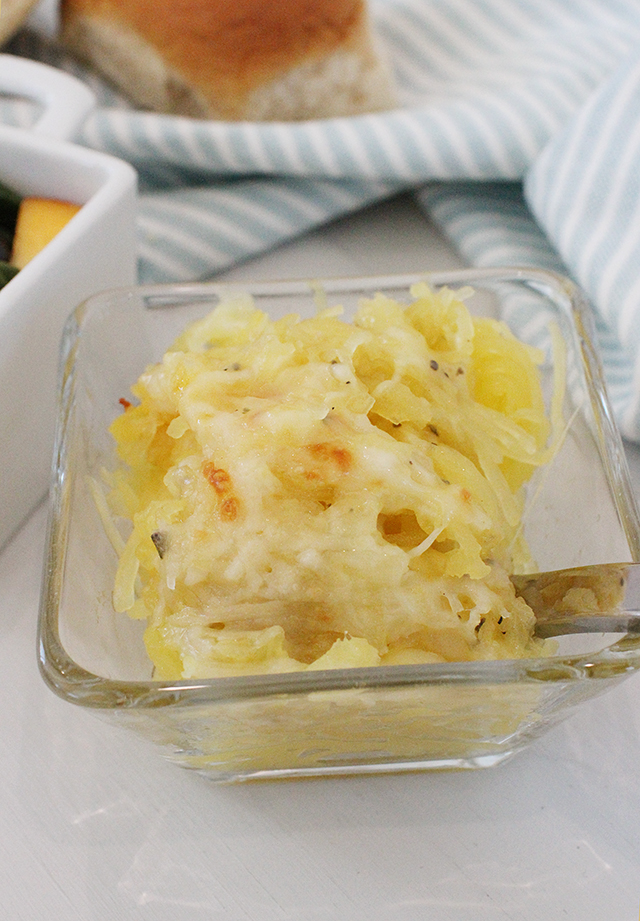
(234, 59)
(12, 15)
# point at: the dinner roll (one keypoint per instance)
(12, 15)
(235, 59)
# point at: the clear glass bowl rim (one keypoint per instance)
(77, 685)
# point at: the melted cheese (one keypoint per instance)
(317, 494)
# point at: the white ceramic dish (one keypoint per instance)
(95, 251)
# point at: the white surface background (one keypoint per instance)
(95, 826)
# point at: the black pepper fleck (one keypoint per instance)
(160, 542)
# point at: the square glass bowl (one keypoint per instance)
(580, 510)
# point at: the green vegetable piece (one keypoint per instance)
(9, 204)
(6, 244)
(7, 272)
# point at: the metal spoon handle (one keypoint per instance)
(604, 598)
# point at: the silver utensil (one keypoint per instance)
(604, 598)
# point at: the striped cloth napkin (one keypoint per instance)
(519, 131)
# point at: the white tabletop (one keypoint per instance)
(95, 826)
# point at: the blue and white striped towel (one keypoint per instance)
(519, 129)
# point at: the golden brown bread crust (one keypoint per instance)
(12, 15)
(234, 58)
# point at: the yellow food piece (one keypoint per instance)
(318, 494)
(39, 220)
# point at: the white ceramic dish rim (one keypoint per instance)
(111, 177)
(95, 251)
(65, 103)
